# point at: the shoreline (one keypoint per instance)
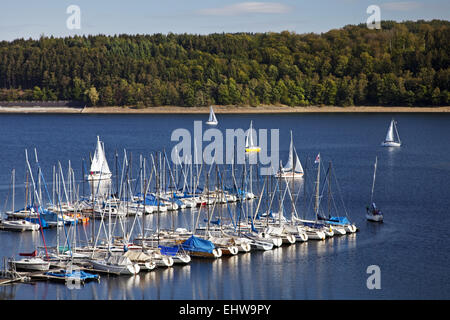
(226, 110)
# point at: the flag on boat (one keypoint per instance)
(317, 159)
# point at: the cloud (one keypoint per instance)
(246, 8)
(401, 6)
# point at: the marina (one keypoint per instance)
(146, 217)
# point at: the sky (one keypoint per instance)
(31, 19)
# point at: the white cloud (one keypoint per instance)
(401, 6)
(246, 8)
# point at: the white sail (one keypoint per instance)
(249, 138)
(99, 163)
(212, 116)
(289, 164)
(390, 133)
(298, 165)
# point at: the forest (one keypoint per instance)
(401, 64)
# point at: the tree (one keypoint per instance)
(92, 96)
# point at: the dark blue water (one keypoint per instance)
(411, 247)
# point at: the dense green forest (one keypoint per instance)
(401, 64)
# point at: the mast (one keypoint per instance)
(329, 189)
(374, 175)
(317, 188)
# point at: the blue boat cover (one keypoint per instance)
(313, 225)
(169, 251)
(212, 221)
(42, 222)
(339, 220)
(79, 274)
(198, 244)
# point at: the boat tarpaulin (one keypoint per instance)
(197, 244)
(212, 221)
(339, 220)
(169, 251)
(26, 254)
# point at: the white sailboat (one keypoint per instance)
(32, 262)
(116, 264)
(99, 166)
(249, 144)
(212, 121)
(372, 212)
(390, 141)
(19, 225)
(290, 170)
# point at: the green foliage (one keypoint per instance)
(402, 64)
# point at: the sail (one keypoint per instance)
(288, 166)
(212, 116)
(99, 163)
(390, 133)
(249, 138)
(298, 165)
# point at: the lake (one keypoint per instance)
(412, 188)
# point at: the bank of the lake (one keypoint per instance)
(227, 109)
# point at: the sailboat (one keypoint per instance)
(390, 141)
(212, 121)
(291, 171)
(32, 262)
(372, 212)
(249, 145)
(99, 166)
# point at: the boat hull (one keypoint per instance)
(374, 218)
(216, 253)
(19, 225)
(128, 269)
(31, 265)
(390, 144)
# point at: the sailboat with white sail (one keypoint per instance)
(212, 121)
(372, 212)
(390, 140)
(249, 144)
(291, 170)
(99, 166)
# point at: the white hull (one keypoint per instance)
(338, 230)
(328, 233)
(127, 269)
(390, 144)
(316, 235)
(288, 239)
(164, 261)
(19, 225)
(181, 259)
(375, 218)
(261, 245)
(32, 264)
(147, 266)
(288, 175)
(350, 228)
(212, 123)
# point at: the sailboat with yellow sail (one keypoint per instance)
(249, 144)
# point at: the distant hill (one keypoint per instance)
(401, 64)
